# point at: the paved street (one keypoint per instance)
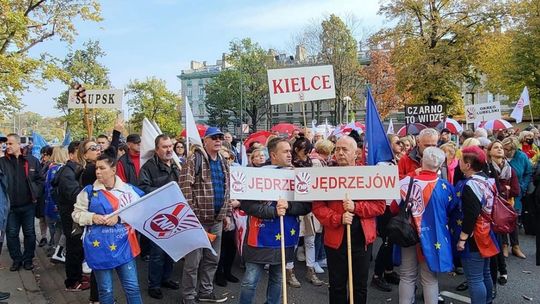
(51, 282)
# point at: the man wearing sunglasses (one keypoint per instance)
(205, 184)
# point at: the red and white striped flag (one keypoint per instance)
(165, 218)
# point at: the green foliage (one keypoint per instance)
(152, 99)
(436, 44)
(223, 98)
(247, 78)
(524, 67)
(25, 24)
(339, 48)
(84, 67)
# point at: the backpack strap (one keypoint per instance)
(198, 164)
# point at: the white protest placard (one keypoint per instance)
(483, 112)
(301, 84)
(336, 183)
(97, 99)
(424, 113)
(248, 183)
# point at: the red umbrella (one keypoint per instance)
(284, 128)
(200, 128)
(358, 126)
(451, 125)
(496, 124)
(260, 136)
(414, 129)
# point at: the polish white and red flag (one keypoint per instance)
(164, 217)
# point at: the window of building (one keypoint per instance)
(201, 109)
(189, 92)
(201, 90)
(290, 107)
(188, 82)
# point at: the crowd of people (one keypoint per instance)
(447, 181)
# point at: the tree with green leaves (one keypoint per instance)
(331, 41)
(339, 48)
(25, 24)
(246, 79)
(436, 43)
(223, 98)
(151, 99)
(84, 67)
(523, 68)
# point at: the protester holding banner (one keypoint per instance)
(334, 215)
(263, 237)
(475, 240)
(432, 201)
(409, 164)
(205, 184)
(156, 172)
(108, 243)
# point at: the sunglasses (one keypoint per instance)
(94, 148)
(217, 136)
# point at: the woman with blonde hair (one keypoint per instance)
(450, 149)
(58, 159)
(257, 158)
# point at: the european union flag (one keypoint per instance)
(38, 143)
(67, 139)
(378, 147)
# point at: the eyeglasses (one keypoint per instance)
(93, 148)
(217, 136)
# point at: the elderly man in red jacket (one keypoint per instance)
(360, 214)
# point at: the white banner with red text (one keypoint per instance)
(315, 184)
(260, 184)
(301, 84)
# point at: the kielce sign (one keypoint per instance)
(301, 84)
(315, 184)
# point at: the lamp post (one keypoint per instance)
(346, 100)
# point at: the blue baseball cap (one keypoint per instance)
(211, 131)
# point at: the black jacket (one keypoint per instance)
(31, 179)
(67, 181)
(154, 174)
(129, 169)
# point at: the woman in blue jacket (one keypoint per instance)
(521, 164)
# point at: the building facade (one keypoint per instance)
(193, 84)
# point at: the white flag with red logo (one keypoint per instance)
(523, 101)
(164, 217)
